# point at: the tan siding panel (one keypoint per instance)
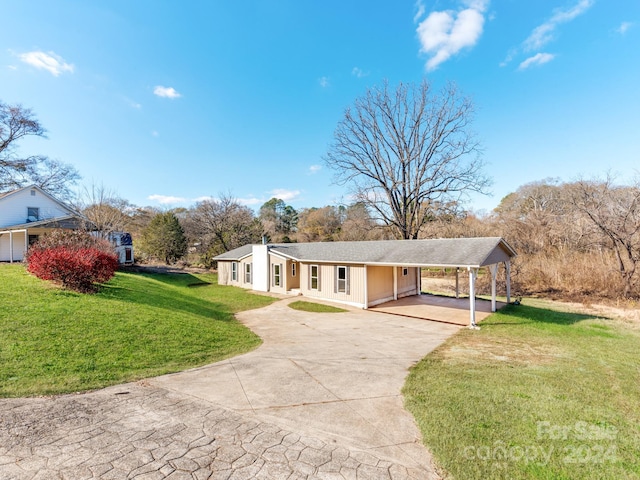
(496, 256)
(407, 283)
(276, 260)
(327, 281)
(380, 283)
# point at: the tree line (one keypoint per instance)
(410, 159)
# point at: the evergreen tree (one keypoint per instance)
(164, 238)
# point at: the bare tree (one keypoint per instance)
(16, 123)
(615, 211)
(357, 224)
(105, 209)
(220, 225)
(403, 149)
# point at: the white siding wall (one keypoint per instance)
(13, 208)
(18, 247)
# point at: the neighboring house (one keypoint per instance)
(123, 245)
(361, 274)
(27, 213)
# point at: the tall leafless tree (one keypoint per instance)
(404, 148)
(16, 123)
(106, 211)
(220, 225)
(615, 211)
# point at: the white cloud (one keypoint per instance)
(624, 27)
(537, 59)
(12, 67)
(249, 201)
(420, 9)
(166, 199)
(445, 33)
(324, 82)
(314, 169)
(166, 92)
(544, 33)
(49, 61)
(284, 194)
(358, 72)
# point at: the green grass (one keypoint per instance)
(535, 394)
(315, 307)
(139, 325)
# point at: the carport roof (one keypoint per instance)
(442, 252)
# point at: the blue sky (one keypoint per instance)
(170, 102)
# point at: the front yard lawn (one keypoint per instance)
(139, 325)
(537, 393)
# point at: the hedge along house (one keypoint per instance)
(362, 274)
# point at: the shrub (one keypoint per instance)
(74, 259)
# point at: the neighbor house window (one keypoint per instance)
(33, 214)
(247, 273)
(342, 279)
(234, 271)
(314, 277)
(405, 271)
(293, 269)
(276, 274)
(33, 239)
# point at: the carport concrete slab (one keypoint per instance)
(335, 376)
(437, 308)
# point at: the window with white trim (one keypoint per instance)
(405, 271)
(277, 270)
(33, 214)
(314, 277)
(293, 269)
(247, 273)
(342, 279)
(234, 271)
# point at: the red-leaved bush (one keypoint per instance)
(74, 259)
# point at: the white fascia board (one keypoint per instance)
(387, 264)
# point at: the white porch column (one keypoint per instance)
(507, 266)
(26, 242)
(395, 283)
(10, 246)
(366, 289)
(457, 282)
(494, 273)
(473, 274)
(418, 280)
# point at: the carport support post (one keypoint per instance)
(494, 273)
(10, 246)
(395, 282)
(473, 274)
(457, 282)
(507, 266)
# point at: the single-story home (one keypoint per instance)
(28, 212)
(361, 274)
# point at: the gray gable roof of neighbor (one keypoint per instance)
(445, 252)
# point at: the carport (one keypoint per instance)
(438, 308)
(461, 254)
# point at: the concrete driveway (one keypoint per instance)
(320, 399)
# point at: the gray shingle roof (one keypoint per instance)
(453, 252)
